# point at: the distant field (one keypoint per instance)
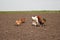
(29, 12)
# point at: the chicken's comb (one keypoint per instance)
(38, 16)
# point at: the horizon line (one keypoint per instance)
(29, 10)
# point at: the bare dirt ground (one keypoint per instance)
(9, 31)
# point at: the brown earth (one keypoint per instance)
(9, 31)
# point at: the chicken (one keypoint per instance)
(41, 20)
(20, 21)
(34, 20)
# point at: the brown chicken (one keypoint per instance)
(20, 21)
(41, 20)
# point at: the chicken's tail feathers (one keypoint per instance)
(44, 19)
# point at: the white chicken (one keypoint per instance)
(34, 20)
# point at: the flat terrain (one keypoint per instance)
(9, 31)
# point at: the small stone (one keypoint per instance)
(45, 29)
(31, 31)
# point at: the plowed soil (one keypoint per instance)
(9, 30)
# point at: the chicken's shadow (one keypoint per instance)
(36, 25)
